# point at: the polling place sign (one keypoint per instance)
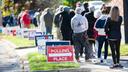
(60, 53)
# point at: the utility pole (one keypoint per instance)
(125, 3)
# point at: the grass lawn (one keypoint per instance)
(123, 50)
(38, 62)
(23, 42)
(18, 41)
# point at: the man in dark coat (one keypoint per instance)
(91, 21)
(48, 19)
(66, 26)
(85, 8)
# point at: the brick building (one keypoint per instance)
(118, 3)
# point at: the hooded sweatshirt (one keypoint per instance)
(100, 25)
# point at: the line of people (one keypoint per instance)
(42, 19)
(88, 30)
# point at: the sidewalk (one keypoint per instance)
(8, 59)
(105, 67)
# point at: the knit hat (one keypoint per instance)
(97, 13)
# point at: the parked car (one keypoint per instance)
(96, 4)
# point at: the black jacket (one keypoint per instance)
(113, 28)
(91, 21)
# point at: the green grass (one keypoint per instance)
(18, 41)
(123, 50)
(32, 26)
(23, 42)
(39, 62)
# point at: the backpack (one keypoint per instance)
(100, 23)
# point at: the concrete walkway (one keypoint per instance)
(9, 61)
(105, 67)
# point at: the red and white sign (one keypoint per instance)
(60, 53)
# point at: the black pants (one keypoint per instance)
(115, 49)
(34, 21)
(6, 20)
(66, 34)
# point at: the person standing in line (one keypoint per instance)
(36, 17)
(6, 16)
(86, 9)
(91, 21)
(113, 31)
(101, 37)
(26, 19)
(97, 14)
(20, 22)
(48, 19)
(42, 26)
(79, 25)
(65, 26)
(57, 21)
(1, 25)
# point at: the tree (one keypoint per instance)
(35, 4)
(46, 3)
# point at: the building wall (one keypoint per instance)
(118, 3)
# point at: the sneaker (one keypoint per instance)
(81, 56)
(88, 60)
(78, 60)
(105, 61)
(113, 66)
(101, 61)
(94, 61)
(119, 66)
(98, 61)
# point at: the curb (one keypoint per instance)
(25, 47)
(68, 70)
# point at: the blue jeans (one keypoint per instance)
(48, 30)
(6, 20)
(101, 40)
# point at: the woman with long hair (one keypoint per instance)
(113, 30)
